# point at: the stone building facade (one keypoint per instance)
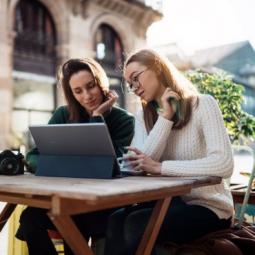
(36, 36)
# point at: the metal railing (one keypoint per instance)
(249, 187)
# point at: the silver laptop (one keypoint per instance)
(75, 150)
(73, 139)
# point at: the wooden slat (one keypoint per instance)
(206, 181)
(153, 227)
(237, 186)
(36, 201)
(71, 234)
(238, 196)
(6, 213)
(238, 192)
(92, 189)
(71, 206)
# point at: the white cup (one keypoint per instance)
(124, 164)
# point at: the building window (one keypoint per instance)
(109, 53)
(34, 68)
(35, 40)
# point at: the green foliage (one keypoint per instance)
(240, 125)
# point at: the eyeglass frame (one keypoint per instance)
(131, 88)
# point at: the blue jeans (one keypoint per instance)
(183, 223)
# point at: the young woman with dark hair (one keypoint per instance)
(177, 133)
(88, 98)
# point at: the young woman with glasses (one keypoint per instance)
(86, 89)
(179, 132)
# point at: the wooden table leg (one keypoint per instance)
(6, 213)
(71, 234)
(153, 227)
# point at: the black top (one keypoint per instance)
(119, 122)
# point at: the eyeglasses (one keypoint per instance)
(134, 84)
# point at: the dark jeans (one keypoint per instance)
(183, 223)
(34, 224)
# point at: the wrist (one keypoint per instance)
(167, 116)
(95, 114)
(158, 168)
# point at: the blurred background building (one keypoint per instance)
(236, 59)
(39, 35)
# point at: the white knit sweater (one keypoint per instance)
(201, 148)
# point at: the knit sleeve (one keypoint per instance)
(153, 144)
(219, 159)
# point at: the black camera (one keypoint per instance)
(11, 163)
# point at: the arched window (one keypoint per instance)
(34, 68)
(35, 38)
(109, 53)
(109, 50)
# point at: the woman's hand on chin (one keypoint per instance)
(106, 105)
(142, 162)
(167, 109)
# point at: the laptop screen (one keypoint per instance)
(73, 139)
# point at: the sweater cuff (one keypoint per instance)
(167, 171)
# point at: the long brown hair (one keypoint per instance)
(169, 76)
(72, 66)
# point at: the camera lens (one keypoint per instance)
(9, 166)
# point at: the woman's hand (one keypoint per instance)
(106, 105)
(141, 162)
(168, 111)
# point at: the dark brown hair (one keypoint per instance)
(169, 76)
(72, 66)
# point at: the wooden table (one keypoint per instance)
(238, 193)
(68, 196)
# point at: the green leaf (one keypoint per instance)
(229, 96)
